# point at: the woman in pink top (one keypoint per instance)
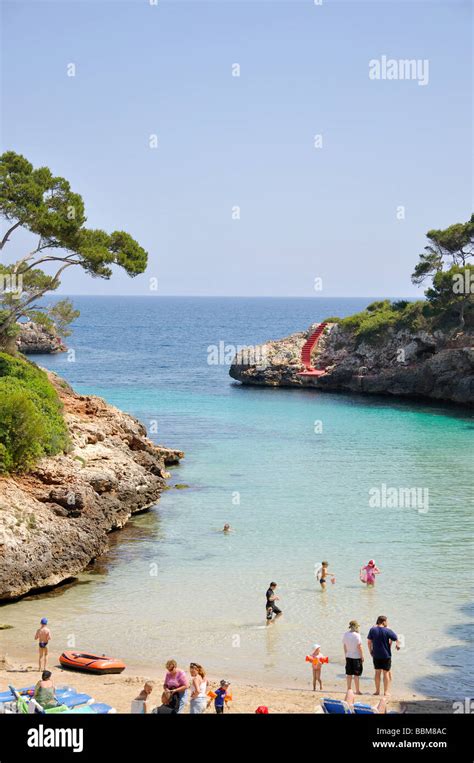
(176, 681)
(368, 573)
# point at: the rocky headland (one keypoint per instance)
(35, 339)
(55, 519)
(436, 365)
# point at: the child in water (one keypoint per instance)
(318, 660)
(367, 574)
(323, 573)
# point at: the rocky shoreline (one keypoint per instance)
(436, 366)
(55, 519)
(37, 340)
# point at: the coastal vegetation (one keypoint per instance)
(44, 205)
(31, 420)
(449, 302)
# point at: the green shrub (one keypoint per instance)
(332, 319)
(379, 317)
(31, 421)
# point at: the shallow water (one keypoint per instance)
(173, 585)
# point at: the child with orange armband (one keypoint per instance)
(317, 660)
(221, 697)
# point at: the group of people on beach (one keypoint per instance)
(178, 688)
(380, 637)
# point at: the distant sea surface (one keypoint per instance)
(173, 585)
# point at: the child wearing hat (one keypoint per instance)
(221, 693)
(318, 659)
(367, 574)
(43, 636)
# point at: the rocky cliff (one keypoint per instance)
(55, 519)
(35, 339)
(438, 365)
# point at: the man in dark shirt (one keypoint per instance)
(379, 641)
(271, 607)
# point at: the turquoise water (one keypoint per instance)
(178, 587)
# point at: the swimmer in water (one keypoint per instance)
(227, 528)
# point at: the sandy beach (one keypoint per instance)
(119, 690)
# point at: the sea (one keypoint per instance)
(296, 473)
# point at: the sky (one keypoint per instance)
(239, 197)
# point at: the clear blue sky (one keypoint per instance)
(225, 141)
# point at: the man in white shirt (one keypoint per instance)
(354, 655)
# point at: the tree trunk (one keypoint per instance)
(8, 343)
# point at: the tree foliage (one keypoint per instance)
(46, 206)
(446, 262)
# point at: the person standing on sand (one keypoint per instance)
(322, 575)
(318, 660)
(379, 640)
(198, 689)
(271, 607)
(176, 681)
(43, 635)
(354, 655)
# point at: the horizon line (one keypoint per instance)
(241, 296)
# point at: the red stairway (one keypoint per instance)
(307, 349)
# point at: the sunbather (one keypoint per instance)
(45, 693)
(380, 708)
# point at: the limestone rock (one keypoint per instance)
(35, 339)
(54, 520)
(437, 366)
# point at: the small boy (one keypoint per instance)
(317, 666)
(43, 635)
(323, 573)
(219, 702)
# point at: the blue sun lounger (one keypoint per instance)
(8, 696)
(73, 700)
(335, 706)
(97, 708)
(360, 708)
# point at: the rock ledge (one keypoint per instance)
(54, 520)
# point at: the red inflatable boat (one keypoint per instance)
(91, 663)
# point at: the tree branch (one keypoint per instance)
(50, 259)
(7, 234)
